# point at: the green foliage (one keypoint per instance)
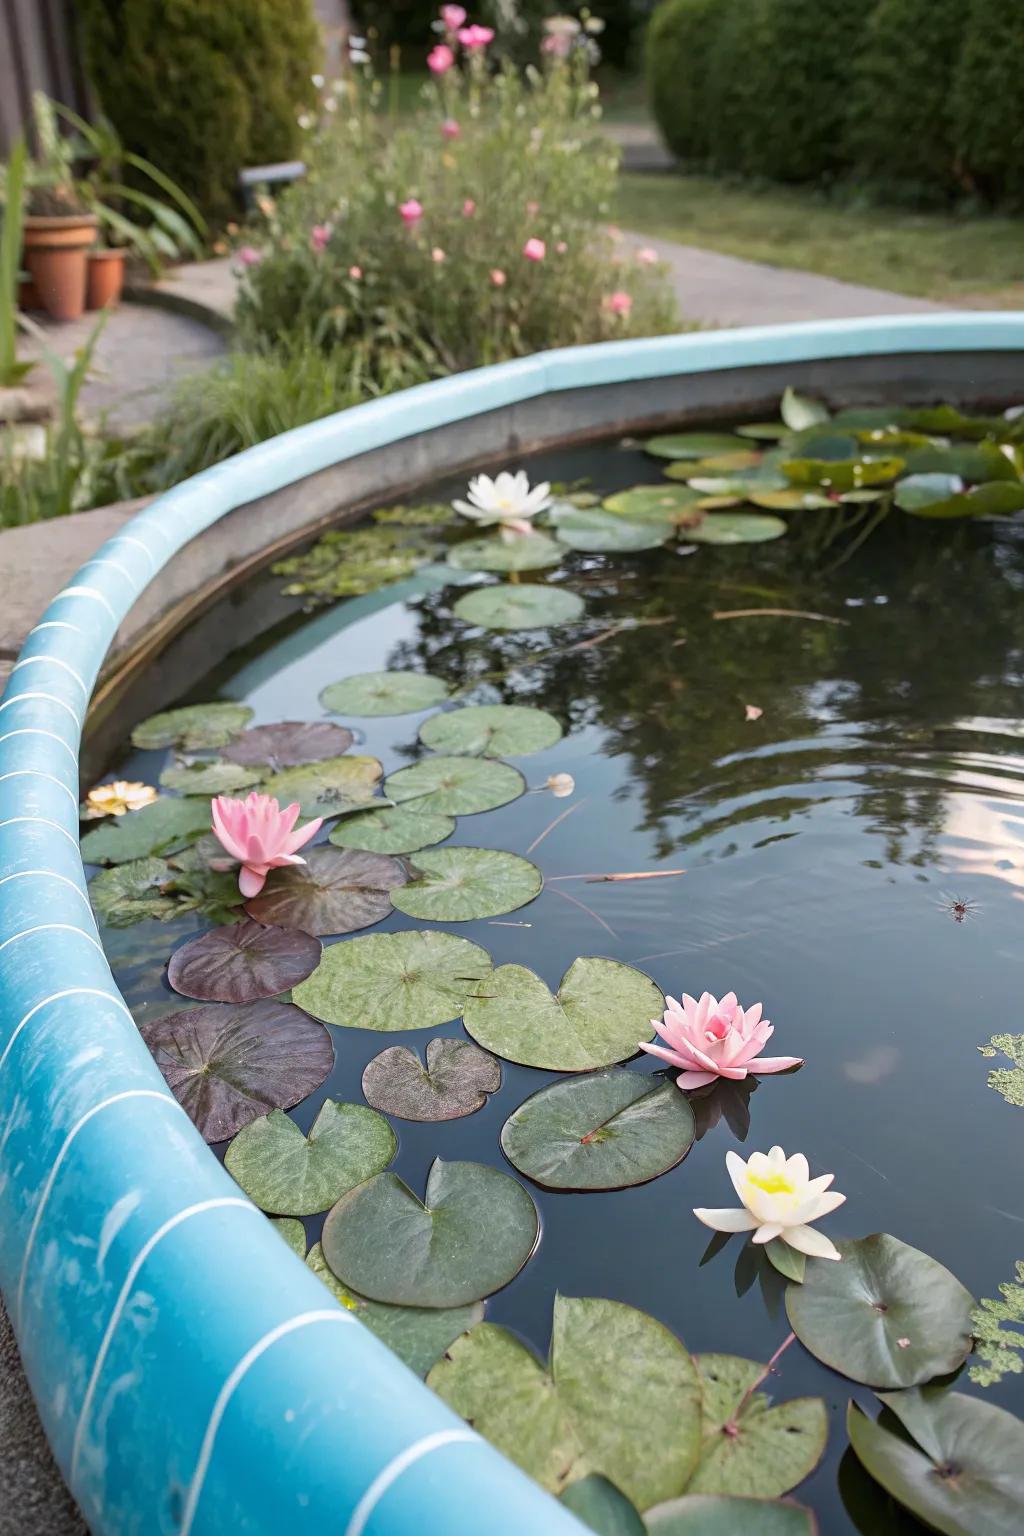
(11, 371)
(202, 90)
(988, 104)
(1000, 1349)
(737, 106)
(679, 45)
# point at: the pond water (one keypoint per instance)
(844, 793)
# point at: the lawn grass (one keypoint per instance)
(977, 261)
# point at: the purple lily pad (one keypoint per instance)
(243, 962)
(337, 890)
(457, 1080)
(290, 744)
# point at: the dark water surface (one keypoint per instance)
(823, 844)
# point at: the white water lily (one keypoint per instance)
(506, 500)
(780, 1199)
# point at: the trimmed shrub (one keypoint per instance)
(680, 39)
(740, 110)
(899, 126)
(203, 89)
(988, 100)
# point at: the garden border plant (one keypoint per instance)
(126, 1251)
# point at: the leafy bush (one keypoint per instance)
(988, 100)
(203, 89)
(680, 40)
(739, 112)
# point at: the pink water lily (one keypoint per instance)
(711, 1039)
(261, 836)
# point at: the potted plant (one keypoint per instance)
(104, 276)
(58, 227)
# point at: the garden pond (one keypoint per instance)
(770, 682)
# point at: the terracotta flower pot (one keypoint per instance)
(55, 255)
(28, 295)
(105, 279)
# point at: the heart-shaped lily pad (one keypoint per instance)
(595, 529)
(131, 893)
(392, 981)
(654, 503)
(749, 1448)
(395, 829)
(208, 779)
(523, 606)
(708, 1514)
(294, 1175)
(290, 744)
(887, 1315)
(736, 528)
(192, 727)
(163, 826)
(458, 885)
(337, 890)
(292, 1231)
(417, 1335)
(923, 496)
(491, 730)
(227, 1064)
(842, 474)
(473, 1233)
(917, 493)
(693, 445)
(607, 1130)
(331, 787)
(975, 462)
(601, 1507)
(525, 552)
(243, 962)
(457, 1079)
(383, 693)
(455, 786)
(801, 411)
(602, 1010)
(965, 1474)
(614, 1372)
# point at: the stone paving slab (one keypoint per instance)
(33, 1498)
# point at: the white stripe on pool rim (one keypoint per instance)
(86, 592)
(126, 538)
(37, 773)
(41, 821)
(54, 997)
(394, 1469)
(50, 698)
(35, 730)
(49, 874)
(53, 661)
(48, 928)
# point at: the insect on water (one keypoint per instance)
(959, 908)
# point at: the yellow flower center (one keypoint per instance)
(772, 1183)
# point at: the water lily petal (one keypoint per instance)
(696, 1079)
(726, 1220)
(770, 1230)
(767, 1064)
(815, 1244)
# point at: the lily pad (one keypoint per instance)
(457, 1079)
(793, 500)
(600, 1505)
(131, 893)
(193, 727)
(243, 962)
(595, 529)
(607, 1130)
(788, 1261)
(693, 445)
(654, 503)
(395, 829)
(750, 1448)
(294, 1175)
(1001, 498)
(290, 744)
(1008, 1081)
(472, 1235)
(752, 483)
(999, 1348)
(383, 693)
(842, 474)
(965, 1474)
(602, 1010)
(614, 1372)
(526, 552)
(763, 431)
(853, 1315)
(228, 1064)
(736, 528)
(417, 1335)
(800, 411)
(918, 492)
(393, 981)
(460, 885)
(331, 787)
(703, 1514)
(455, 786)
(208, 779)
(293, 1232)
(491, 730)
(337, 890)
(163, 826)
(519, 606)
(974, 462)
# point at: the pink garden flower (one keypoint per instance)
(411, 211)
(561, 247)
(248, 255)
(711, 1039)
(498, 278)
(468, 208)
(475, 37)
(437, 255)
(453, 17)
(534, 249)
(450, 129)
(618, 303)
(440, 59)
(355, 273)
(647, 256)
(319, 235)
(261, 836)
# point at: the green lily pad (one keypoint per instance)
(456, 1081)
(654, 503)
(337, 890)
(763, 431)
(290, 744)
(393, 981)
(719, 464)
(131, 893)
(395, 829)
(614, 1373)
(519, 606)
(597, 530)
(417, 1335)
(163, 826)
(294, 1175)
(975, 462)
(208, 779)
(917, 492)
(1008, 1081)
(822, 443)
(491, 730)
(455, 786)
(607, 1130)
(800, 411)
(526, 552)
(736, 528)
(331, 787)
(383, 693)
(293, 1232)
(948, 421)
(472, 1235)
(965, 1474)
(842, 475)
(788, 1261)
(853, 1315)
(1001, 498)
(793, 500)
(243, 963)
(193, 727)
(227, 1064)
(458, 885)
(693, 445)
(702, 1514)
(749, 1448)
(600, 1505)
(753, 483)
(1000, 1349)
(602, 1010)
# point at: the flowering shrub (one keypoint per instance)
(474, 230)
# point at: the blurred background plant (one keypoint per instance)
(11, 370)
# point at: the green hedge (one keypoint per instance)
(679, 42)
(988, 100)
(203, 89)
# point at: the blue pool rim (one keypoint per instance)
(193, 1376)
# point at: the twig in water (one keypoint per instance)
(552, 825)
(776, 613)
(589, 910)
(650, 874)
(732, 1428)
(496, 922)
